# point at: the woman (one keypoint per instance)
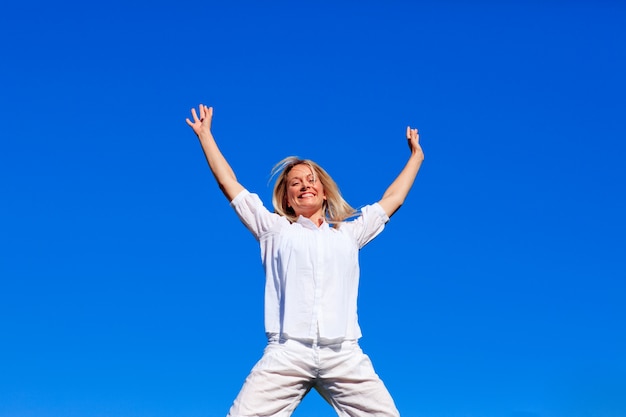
(310, 255)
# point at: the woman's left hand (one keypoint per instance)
(413, 137)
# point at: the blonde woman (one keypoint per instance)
(309, 249)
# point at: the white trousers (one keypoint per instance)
(341, 373)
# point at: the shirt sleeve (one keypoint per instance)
(368, 225)
(253, 213)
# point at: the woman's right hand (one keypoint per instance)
(201, 125)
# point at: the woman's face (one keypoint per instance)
(305, 193)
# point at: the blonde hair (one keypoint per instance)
(336, 209)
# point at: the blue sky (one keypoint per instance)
(128, 287)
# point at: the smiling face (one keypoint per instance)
(305, 193)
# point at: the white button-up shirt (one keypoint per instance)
(311, 273)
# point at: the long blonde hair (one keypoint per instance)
(336, 209)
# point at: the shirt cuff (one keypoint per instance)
(242, 194)
(381, 212)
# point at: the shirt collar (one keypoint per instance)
(308, 223)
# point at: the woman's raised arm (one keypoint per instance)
(223, 173)
(398, 190)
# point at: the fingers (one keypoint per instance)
(194, 115)
(200, 120)
(412, 133)
(205, 113)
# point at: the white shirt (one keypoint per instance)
(311, 273)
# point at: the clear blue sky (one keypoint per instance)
(129, 288)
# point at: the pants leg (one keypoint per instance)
(347, 380)
(276, 384)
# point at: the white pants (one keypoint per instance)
(341, 373)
